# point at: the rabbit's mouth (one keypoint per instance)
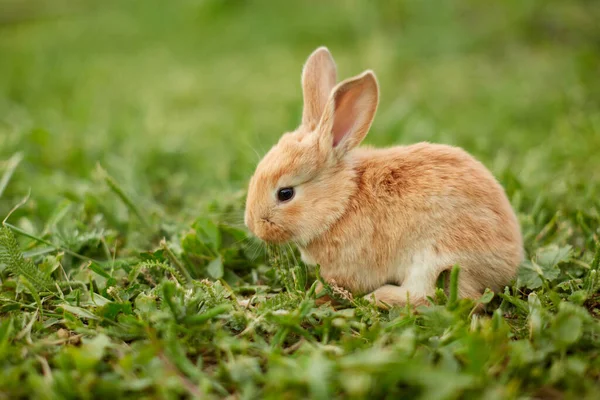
(270, 232)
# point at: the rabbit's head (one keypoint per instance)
(304, 183)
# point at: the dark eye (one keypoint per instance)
(285, 194)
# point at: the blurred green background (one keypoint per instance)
(175, 99)
(136, 121)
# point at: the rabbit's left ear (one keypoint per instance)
(349, 113)
(318, 78)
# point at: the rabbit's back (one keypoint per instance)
(428, 202)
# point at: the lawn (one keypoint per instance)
(128, 133)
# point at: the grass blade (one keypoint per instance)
(596, 259)
(39, 239)
(118, 190)
(453, 290)
(12, 165)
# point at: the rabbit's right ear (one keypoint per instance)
(318, 78)
(349, 113)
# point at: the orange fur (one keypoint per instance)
(383, 222)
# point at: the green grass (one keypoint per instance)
(128, 131)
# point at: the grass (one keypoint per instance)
(128, 131)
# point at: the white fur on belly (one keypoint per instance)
(306, 258)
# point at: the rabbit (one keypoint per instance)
(380, 222)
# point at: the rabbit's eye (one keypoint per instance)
(285, 194)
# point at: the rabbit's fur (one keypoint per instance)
(383, 222)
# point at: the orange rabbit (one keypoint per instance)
(382, 222)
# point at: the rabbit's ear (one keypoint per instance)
(318, 78)
(349, 113)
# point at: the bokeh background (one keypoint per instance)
(177, 99)
(135, 125)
